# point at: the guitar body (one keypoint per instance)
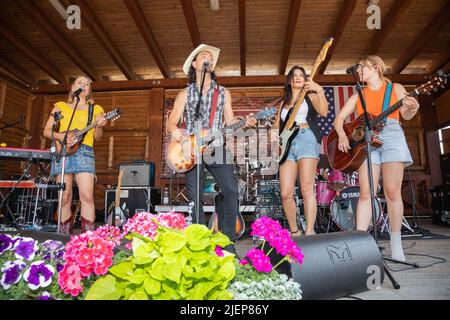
(174, 153)
(286, 137)
(74, 147)
(355, 132)
(214, 220)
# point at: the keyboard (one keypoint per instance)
(25, 154)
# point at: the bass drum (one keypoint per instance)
(343, 210)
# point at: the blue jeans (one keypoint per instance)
(83, 160)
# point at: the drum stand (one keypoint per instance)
(367, 138)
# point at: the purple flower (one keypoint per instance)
(26, 248)
(45, 296)
(11, 273)
(5, 243)
(39, 275)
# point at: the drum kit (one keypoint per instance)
(337, 195)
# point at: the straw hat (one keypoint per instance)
(203, 47)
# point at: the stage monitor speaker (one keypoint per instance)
(138, 174)
(335, 265)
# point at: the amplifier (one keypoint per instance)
(138, 174)
(133, 200)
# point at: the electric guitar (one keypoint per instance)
(214, 220)
(355, 131)
(290, 130)
(79, 134)
(174, 150)
(119, 216)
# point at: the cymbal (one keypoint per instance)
(323, 162)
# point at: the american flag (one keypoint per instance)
(336, 96)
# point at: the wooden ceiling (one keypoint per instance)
(150, 39)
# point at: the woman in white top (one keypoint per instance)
(305, 147)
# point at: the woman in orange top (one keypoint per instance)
(391, 157)
(81, 164)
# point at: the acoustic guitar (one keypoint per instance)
(290, 128)
(355, 131)
(78, 135)
(218, 209)
(174, 150)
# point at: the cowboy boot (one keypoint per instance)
(87, 225)
(66, 226)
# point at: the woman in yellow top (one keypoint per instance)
(81, 164)
(391, 157)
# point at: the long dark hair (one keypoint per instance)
(287, 85)
(193, 74)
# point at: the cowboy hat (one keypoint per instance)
(203, 47)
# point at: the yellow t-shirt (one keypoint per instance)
(79, 120)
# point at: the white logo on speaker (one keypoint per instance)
(374, 279)
(339, 252)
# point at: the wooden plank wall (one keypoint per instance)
(14, 102)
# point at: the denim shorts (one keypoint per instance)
(304, 145)
(394, 148)
(81, 161)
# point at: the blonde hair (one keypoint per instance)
(376, 61)
(89, 97)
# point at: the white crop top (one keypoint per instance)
(301, 114)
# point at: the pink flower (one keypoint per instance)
(69, 279)
(243, 262)
(259, 260)
(218, 251)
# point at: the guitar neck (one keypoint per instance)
(89, 127)
(383, 116)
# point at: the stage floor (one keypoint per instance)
(429, 283)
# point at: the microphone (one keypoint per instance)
(206, 64)
(77, 92)
(353, 69)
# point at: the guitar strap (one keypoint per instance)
(90, 117)
(387, 96)
(214, 106)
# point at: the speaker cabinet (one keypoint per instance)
(138, 174)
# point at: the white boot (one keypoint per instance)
(396, 247)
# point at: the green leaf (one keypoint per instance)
(201, 290)
(138, 276)
(139, 295)
(197, 232)
(145, 254)
(152, 286)
(172, 272)
(199, 244)
(220, 239)
(104, 289)
(172, 241)
(157, 269)
(122, 270)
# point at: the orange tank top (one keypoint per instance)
(374, 102)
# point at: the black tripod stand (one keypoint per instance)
(368, 140)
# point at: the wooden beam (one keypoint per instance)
(191, 22)
(7, 78)
(32, 53)
(17, 71)
(294, 11)
(433, 27)
(103, 38)
(388, 23)
(40, 18)
(242, 39)
(247, 81)
(146, 32)
(344, 16)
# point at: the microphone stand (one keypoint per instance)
(12, 124)
(62, 156)
(367, 138)
(198, 141)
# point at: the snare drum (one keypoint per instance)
(343, 209)
(324, 194)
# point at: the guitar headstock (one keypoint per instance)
(438, 81)
(266, 113)
(326, 46)
(113, 114)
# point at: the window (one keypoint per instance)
(444, 139)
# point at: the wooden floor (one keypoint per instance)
(424, 283)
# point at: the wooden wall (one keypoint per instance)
(14, 102)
